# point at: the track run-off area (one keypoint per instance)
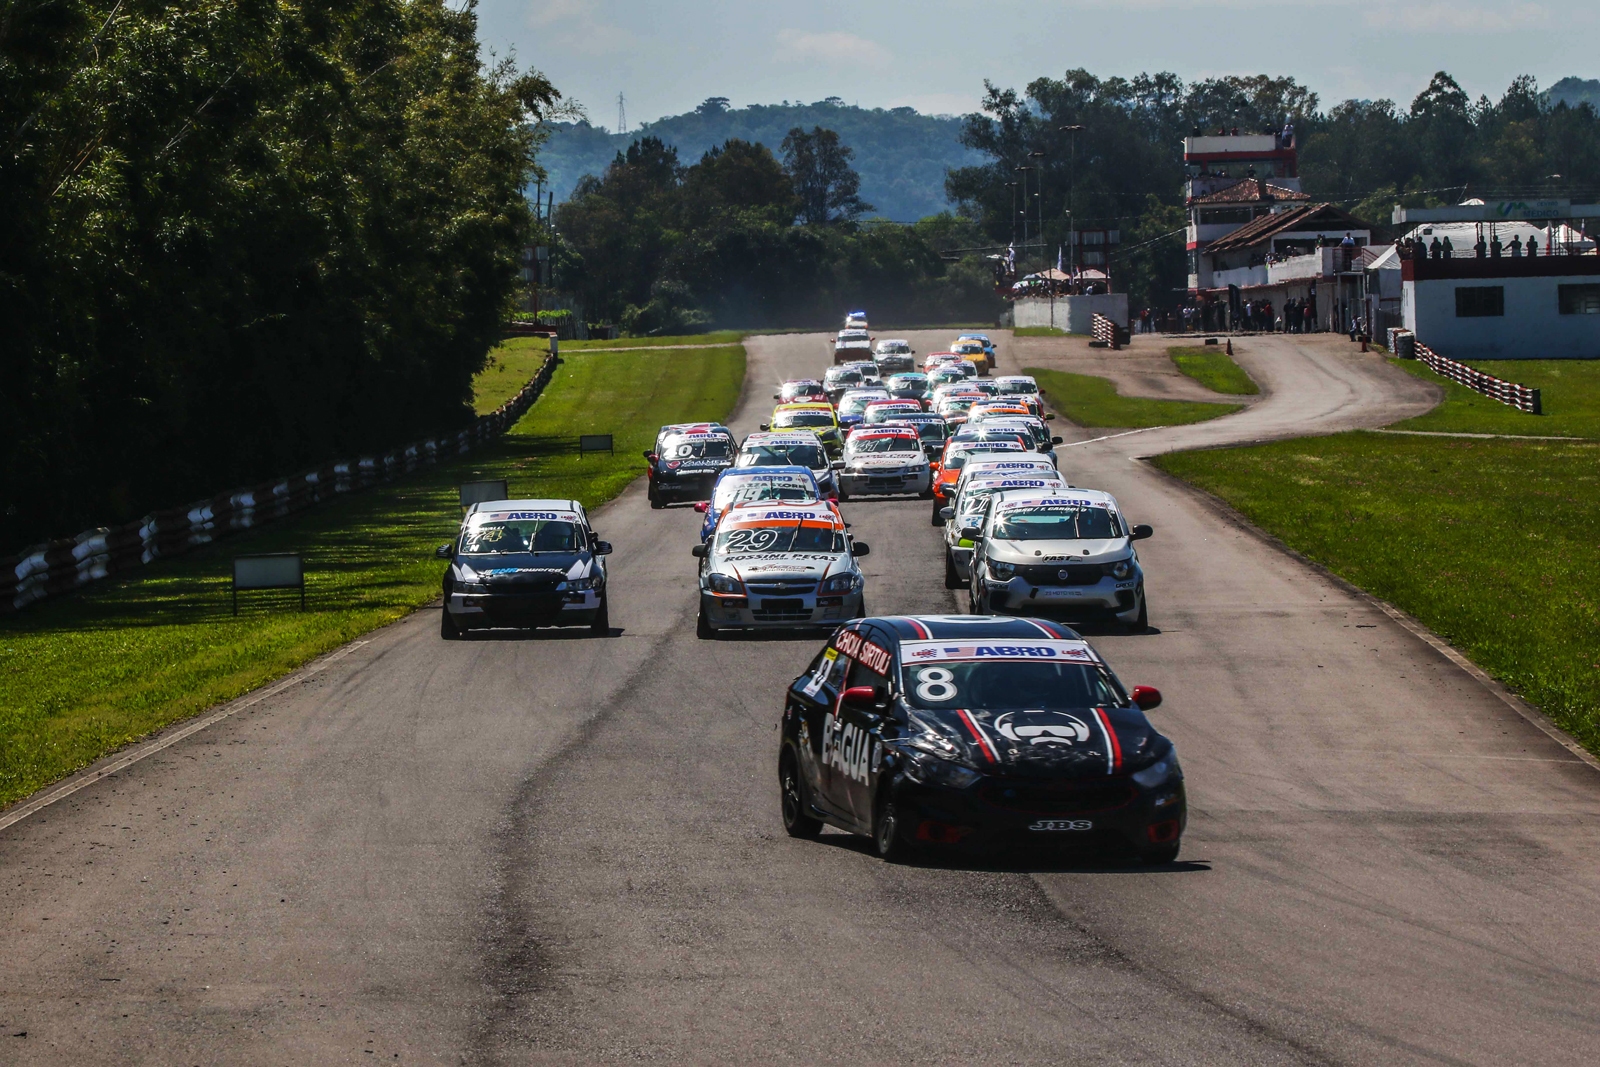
(551, 848)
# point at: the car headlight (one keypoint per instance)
(1001, 572)
(840, 583)
(933, 758)
(575, 584)
(723, 583)
(1122, 568)
(471, 587)
(1162, 770)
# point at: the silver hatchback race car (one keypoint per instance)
(777, 565)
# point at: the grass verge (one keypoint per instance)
(1043, 331)
(1214, 369)
(1570, 397)
(1091, 401)
(1495, 545)
(88, 673)
(719, 337)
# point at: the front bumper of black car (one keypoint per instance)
(675, 488)
(997, 813)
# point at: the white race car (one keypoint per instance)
(964, 518)
(779, 566)
(882, 461)
(524, 563)
(1064, 554)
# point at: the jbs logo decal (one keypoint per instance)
(876, 657)
(1062, 824)
(846, 747)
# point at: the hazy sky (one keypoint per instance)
(668, 55)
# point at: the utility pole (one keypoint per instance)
(1072, 204)
(1024, 172)
(622, 115)
(1038, 194)
(1013, 187)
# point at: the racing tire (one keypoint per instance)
(702, 627)
(601, 626)
(952, 577)
(1141, 622)
(448, 630)
(861, 609)
(655, 500)
(926, 494)
(795, 803)
(890, 839)
(938, 506)
(842, 496)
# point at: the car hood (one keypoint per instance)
(785, 566)
(1035, 552)
(517, 569)
(888, 461)
(1031, 743)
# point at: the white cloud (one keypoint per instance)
(1438, 17)
(835, 47)
(574, 25)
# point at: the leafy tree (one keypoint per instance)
(828, 187)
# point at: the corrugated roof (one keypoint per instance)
(1307, 216)
(1250, 191)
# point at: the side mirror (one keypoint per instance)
(777, 396)
(602, 548)
(1146, 697)
(837, 465)
(700, 551)
(651, 456)
(1049, 418)
(860, 696)
(1141, 531)
(702, 506)
(1055, 440)
(765, 427)
(860, 548)
(947, 513)
(446, 550)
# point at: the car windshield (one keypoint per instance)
(796, 538)
(741, 490)
(520, 535)
(957, 461)
(803, 418)
(844, 377)
(855, 405)
(783, 456)
(930, 431)
(1025, 388)
(1057, 522)
(1009, 684)
(858, 445)
(696, 448)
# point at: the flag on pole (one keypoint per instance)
(1058, 259)
(1011, 256)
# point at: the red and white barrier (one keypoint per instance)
(59, 566)
(1521, 397)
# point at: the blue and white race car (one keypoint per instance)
(793, 485)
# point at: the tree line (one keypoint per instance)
(742, 239)
(1123, 167)
(242, 238)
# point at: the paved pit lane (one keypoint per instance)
(557, 849)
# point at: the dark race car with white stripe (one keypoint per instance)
(976, 732)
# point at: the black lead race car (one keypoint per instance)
(976, 732)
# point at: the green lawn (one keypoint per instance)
(1493, 544)
(85, 674)
(720, 337)
(1213, 368)
(1570, 397)
(1044, 331)
(1091, 401)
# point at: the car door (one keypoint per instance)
(815, 696)
(858, 747)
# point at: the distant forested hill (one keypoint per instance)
(1575, 91)
(901, 155)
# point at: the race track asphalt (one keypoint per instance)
(561, 849)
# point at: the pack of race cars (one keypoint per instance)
(954, 732)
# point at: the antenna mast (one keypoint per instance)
(622, 115)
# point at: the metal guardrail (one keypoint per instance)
(60, 566)
(1521, 397)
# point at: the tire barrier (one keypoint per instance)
(1521, 397)
(1107, 334)
(60, 566)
